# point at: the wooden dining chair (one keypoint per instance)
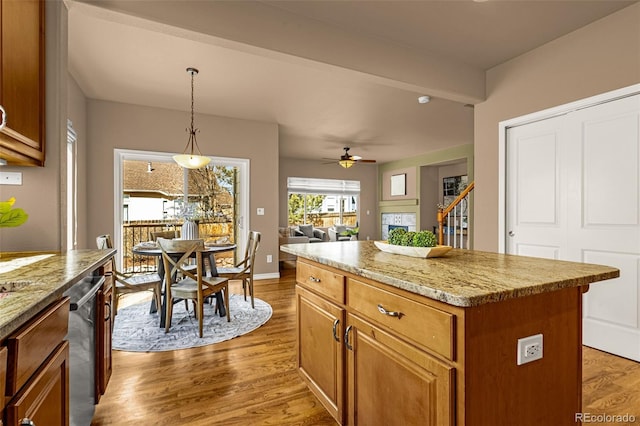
(169, 235)
(130, 283)
(194, 286)
(243, 271)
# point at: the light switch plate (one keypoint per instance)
(10, 178)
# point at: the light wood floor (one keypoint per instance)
(252, 380)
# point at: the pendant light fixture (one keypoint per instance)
(190, 159)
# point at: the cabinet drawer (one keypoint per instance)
(34, 342)
(45, 398)
(323, 281)
(423, 325)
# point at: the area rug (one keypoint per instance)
(137, 330)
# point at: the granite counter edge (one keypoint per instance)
(33, 309)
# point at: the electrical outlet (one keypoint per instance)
(269, 258)
(529, 349)
(10, 178)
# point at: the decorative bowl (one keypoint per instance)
(423, 252)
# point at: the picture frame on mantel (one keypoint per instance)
(399, 184)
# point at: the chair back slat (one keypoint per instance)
(169, 235)
(171, 249)
(254, 243)
(104, 242)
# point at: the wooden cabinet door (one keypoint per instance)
(104, 330)
(22, 81)
(45, 398)
(320, 349)
(390, 382)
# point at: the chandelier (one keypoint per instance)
(192, 158)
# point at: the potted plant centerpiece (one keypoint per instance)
(190, 212)
(410, 243)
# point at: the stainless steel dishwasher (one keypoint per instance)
(82, 349)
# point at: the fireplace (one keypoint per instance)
(397, 220)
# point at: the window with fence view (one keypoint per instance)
(159, 196)
(322, 202)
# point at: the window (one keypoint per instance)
(322, 202)
(71, 189)
(154, 193)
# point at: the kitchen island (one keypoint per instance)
(35, 351)
(390, 339)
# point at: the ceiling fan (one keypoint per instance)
(347, 160)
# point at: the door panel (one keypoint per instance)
(537, 179)
(597, 182)
(535, 203)
(610, 148)
(605, 205)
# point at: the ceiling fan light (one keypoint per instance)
(191, 161)
(346, 163)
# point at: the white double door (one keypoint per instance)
(573, 193)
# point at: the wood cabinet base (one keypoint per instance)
(395, 357)
(45, 399)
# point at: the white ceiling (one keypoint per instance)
(137, 52)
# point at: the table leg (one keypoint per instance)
(153, 308)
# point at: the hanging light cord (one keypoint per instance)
(192, 132)
(192, 158)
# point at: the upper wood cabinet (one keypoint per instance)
(22, 82)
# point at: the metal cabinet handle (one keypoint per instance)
(27, 422)
(512, 234)
(383, 311)
(335, 329)
(346, 338)
(314, 279)
(108, 305)
(3, 122)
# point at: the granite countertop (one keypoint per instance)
(461, 277)
(29, 281)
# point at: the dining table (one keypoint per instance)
(152, 249)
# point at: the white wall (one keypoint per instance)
(116, 125)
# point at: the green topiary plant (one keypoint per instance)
(407, 238)
(424, 239)
(402, 237)
(395, 236)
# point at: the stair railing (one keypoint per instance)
(453, 215)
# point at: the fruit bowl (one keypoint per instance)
(422, 252)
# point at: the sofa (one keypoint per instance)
(293, 235)
(315, 235)
(336, 230)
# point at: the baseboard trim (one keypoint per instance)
(269, 276)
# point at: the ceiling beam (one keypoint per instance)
(260, 29)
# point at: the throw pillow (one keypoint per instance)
(307, 230)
